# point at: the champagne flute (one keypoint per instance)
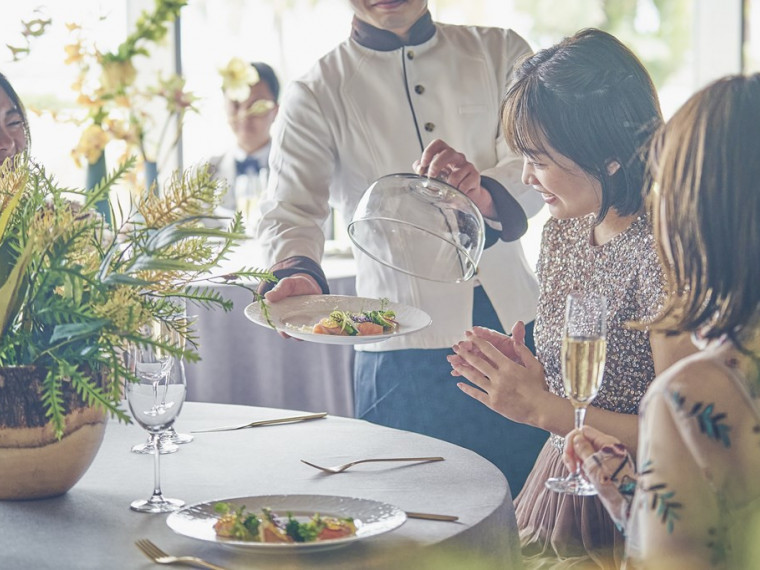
(154, 400)
(248, 191)
(584, 349)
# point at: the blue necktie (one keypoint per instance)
(249, 165)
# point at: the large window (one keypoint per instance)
(751, 36)
(684, 44)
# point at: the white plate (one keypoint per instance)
(296, 316)
(371, 518)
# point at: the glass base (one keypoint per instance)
(157, 505)
(164, 447)
(178, 438)
(573, 484)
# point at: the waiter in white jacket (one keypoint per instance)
(369, 108)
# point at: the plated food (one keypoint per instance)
(265, 526)
(201, 521)
(363, 323)
(331, 319)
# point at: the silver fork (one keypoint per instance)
(160, 557)
(341, 468)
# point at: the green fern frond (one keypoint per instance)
(52, 400)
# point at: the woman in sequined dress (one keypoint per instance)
(580, 113)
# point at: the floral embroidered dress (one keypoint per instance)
(697, 497)
(558, 530)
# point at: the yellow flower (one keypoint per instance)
(117, 75)
(74, 53)
(87, 101)
(260, 107)
(237, 79)
(172, 90)
(91, 144)
(122, 101)
(122, 130)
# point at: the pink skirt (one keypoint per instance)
(563, 531)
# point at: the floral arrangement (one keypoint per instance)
(74, 294)
(112, 104)
(116, 107)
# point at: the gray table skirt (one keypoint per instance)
(244, 363)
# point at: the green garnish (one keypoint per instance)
(304, 532)
(344, 321)
(245, 526)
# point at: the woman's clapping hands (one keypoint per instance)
(505, 375)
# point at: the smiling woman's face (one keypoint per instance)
(568, 190)
(12, 128)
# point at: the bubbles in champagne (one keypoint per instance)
(582, 368)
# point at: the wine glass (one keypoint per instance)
(584, 348)
(154, 400)
(171, 438)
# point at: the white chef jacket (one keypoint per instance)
(351, 119)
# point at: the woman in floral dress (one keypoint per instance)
(695, 502)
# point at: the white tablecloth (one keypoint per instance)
(244, 363)
(92, 527)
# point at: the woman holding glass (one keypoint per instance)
(697, 494)
(580, 112)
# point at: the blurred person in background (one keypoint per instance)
(251, 108)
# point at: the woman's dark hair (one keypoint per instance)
(591, 100)
(268, 76)
(705, 202)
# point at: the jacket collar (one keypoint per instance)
(382, 40)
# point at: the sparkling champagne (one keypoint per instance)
(582, 368)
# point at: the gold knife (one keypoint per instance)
(264, 423)
(431, 517)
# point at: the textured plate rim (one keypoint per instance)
(253, 313)
(397, 517)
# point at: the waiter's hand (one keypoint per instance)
(298, 284)
(441, 161)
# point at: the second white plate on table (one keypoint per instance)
(371, 518)
(297, 315)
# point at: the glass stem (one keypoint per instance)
(156, 469)
(580, 416)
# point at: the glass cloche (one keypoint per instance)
(420, 226)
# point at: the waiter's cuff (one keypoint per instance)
(291, 266)
(514, 222)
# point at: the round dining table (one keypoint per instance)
(92, 526)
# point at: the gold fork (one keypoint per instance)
(341, 468)
(160, 557)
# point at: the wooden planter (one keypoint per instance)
(34, 464)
